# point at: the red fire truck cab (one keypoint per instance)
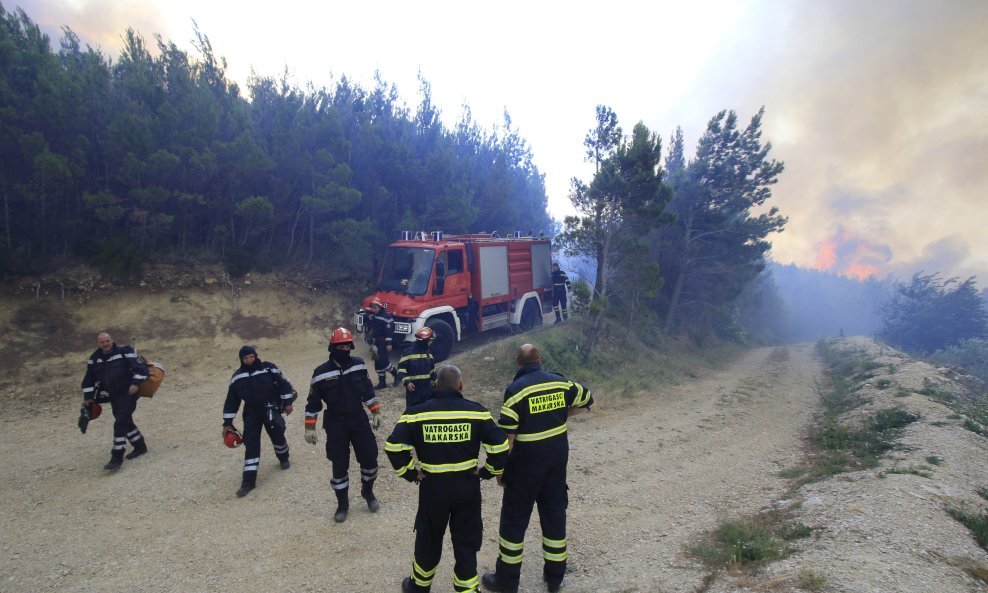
(459, 284)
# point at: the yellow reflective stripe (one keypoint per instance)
(494, 472)
(554, 557)
(493, 449)
(451, 415)
(509, 413)
(414, 357)
(511, 545)
(395, 447)
(422, 571)
(582, 396)
(511, 559)
(467, 584)
(550, 386)
(414, 377)
(442, 468)
(554, 543)
(538, 436)
(401, 470)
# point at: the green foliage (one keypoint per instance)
(976, 522)
(810, 580)
(119, 258)
(970, 354)
(930, 314)
(748, 541)
(158, 146)
(923, 471)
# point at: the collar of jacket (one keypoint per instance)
(447, 393)
(528, 368)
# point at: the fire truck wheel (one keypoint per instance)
(443, 342)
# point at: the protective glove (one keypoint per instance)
(310, 431)
(484, 473)
(375, 420)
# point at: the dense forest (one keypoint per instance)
(156, 156)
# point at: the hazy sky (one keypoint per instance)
(879, 108)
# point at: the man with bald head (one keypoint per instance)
(445, 432)
(113, 375)
(536, 407)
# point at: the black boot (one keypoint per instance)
(380, 382)
(342, 505)
(367, 491)
(490, 582)
(116, 460)
(248, 484)
(140, 448)
(394, 375)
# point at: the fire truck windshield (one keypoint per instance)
(407, 270)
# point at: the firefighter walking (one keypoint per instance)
(560, 284)
(381, 328)
(343, 385)
(266, 395)
(417, 368)
(446, 433)
(113, 374)
(536, 407)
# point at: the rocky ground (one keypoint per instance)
(649, 473)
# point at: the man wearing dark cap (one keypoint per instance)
(266, 394)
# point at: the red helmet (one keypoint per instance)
(425, 333)
(95, 410)
(341, 335)
(232, 438)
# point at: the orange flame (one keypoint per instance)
(849, 255)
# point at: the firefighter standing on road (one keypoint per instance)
(343, 384)
(266, 394)
(417, 368)
(446, 433)
(381, 325)
(536, 407)
(560, 284)
(113, 374)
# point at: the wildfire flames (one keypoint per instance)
(851, 256)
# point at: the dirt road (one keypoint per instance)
(646, 475)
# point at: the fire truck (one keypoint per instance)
(461, 284)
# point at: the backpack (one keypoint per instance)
(156, 374)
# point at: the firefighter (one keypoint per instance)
(113, 374)
(445, 433)
(417, 369)
(536, 407)
(266, 395)
(381, 330)
(343, 384)
(560, 284)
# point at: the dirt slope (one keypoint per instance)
(647, 474)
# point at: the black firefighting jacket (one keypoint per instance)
(115, 372)
(381, 326)
(560, 282)
(419, 368)
(343, 390)
(446, 433)
(536, 407)
(256, 386)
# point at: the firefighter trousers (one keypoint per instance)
(559, 303)
(341, 431)
(383, 363)
(124, 405)
(253, 421)
(454, 500)
(545, 487)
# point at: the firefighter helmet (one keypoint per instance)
(232, 438)
(377, 303)
(95, 410)
(341, 335)
(425, 334)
